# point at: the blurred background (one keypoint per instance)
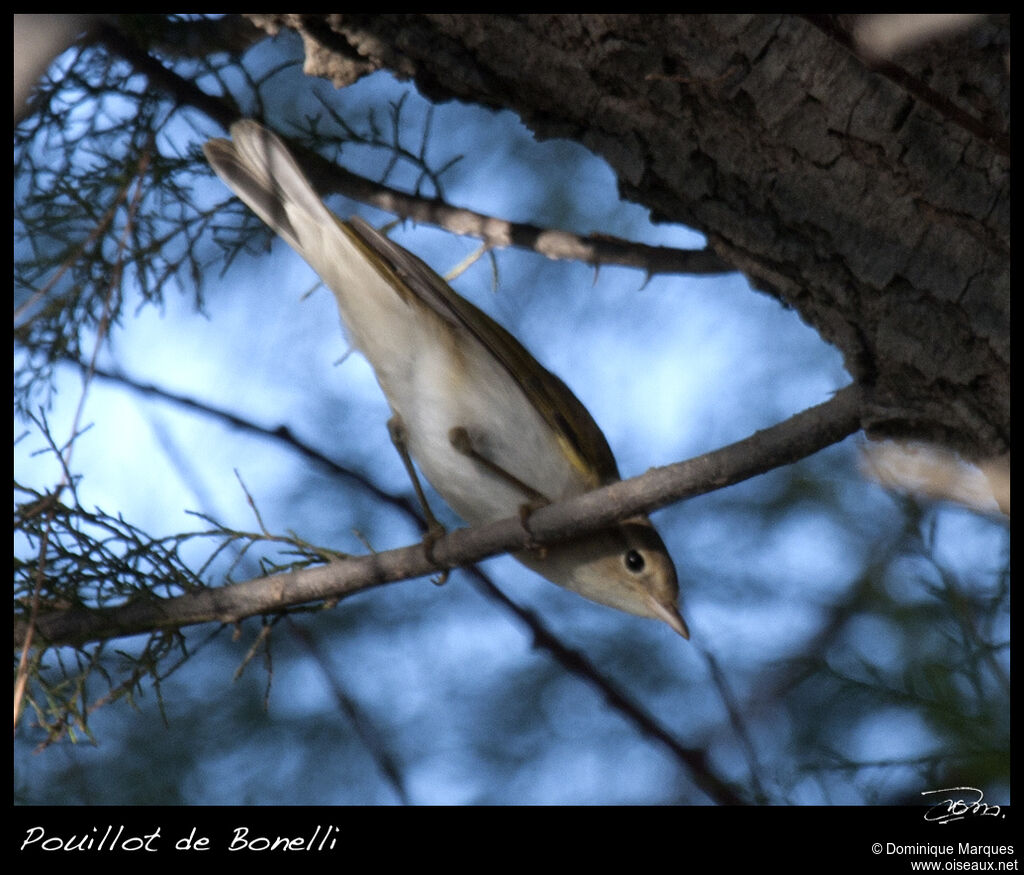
(850, 645)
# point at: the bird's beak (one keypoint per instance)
(671, 616)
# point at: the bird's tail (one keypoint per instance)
(259, 168)
(354, 260)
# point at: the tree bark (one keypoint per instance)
(874, 201)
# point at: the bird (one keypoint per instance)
(491, 429)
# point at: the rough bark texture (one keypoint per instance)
(877, 214)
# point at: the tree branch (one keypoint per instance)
(577, 664)
(800, 436)
(571, 660)
(281, 433)
(330, 178)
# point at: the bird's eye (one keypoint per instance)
(634, 561)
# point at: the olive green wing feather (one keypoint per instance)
(579, 435)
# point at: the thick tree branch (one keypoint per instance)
(797, 437)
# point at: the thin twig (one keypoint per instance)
(576, 663)
(21, 681)
(364, 728)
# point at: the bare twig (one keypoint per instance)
(280, 433)
(576, 663)
(368, 734)
(113, 288)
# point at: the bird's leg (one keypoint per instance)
(463, 444)
(396, 429)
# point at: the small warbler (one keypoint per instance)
(492, 430)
